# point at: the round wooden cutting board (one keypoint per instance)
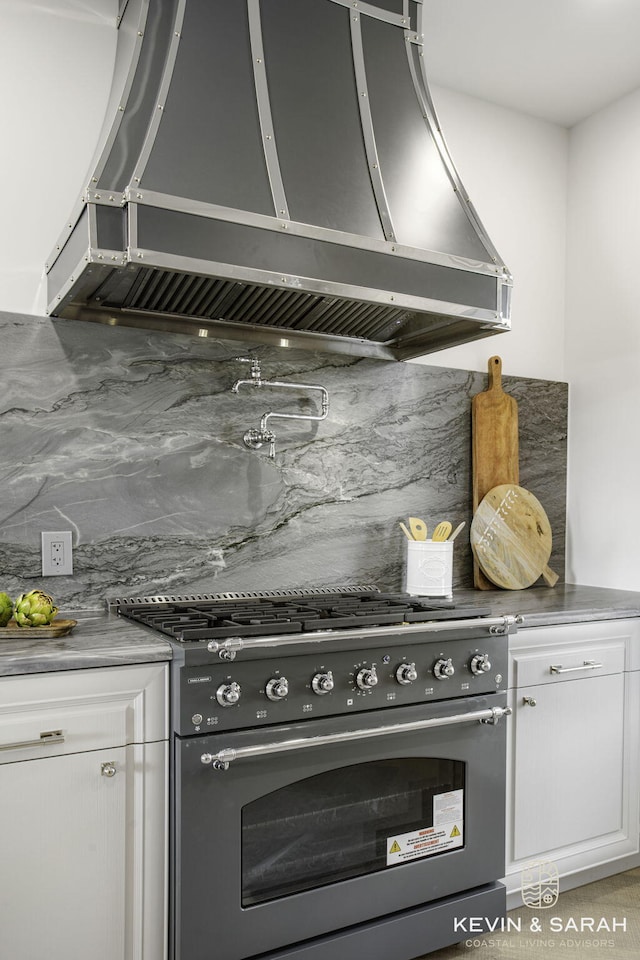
(511, 538)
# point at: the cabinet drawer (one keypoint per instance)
(70, 712)
(557, 664)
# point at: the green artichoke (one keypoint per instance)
(34, 609)
(6, 609)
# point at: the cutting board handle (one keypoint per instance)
(495, 374)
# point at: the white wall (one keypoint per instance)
(514, 169)
(55, 76)
(603, 347)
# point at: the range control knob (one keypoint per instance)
(228, 693)
(322, 683)
(366, 678)
(480, 664)
(443, 669)
(277, 688)
(406, 673)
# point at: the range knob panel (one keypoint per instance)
(366, 678)
(277, 688)
(443, 669)
(228, 694)
(322, 683)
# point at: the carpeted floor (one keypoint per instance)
(531, 934)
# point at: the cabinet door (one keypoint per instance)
(63, 851)
(73, 836)
(568, 764)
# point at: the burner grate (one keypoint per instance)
(246, 615)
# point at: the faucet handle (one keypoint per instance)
(255, 365)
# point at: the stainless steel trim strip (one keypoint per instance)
(172, 54)
(132, 231)
(212, 211)
(359, 6)
(289, 281)
(366, 122)
(421, 85)
(269, 145)
(587, 665)
(499, 625)
(103, 150)
(45, 738)
(222, 759)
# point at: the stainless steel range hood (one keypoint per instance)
(273, 171)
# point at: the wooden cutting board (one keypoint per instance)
(511, 538)
(494, 445)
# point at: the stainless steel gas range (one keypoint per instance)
(338, 772)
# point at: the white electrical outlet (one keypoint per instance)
(57, 554)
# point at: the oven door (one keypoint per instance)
(318, 826)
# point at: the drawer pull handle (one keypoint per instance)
(586, 665)
(108, 769)
(529, 701)
(45, 738)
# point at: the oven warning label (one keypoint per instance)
(446, 833)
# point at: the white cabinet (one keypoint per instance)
(573, 757)
(83, 786)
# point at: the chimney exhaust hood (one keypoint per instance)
(273, 171)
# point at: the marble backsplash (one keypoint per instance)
(133, 441)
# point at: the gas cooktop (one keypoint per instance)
(195, 619)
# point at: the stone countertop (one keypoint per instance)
(565, 603)
(98, 640)
(106, 640)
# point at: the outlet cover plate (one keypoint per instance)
(57, 553)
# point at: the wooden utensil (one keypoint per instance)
(418, 528)
(494, 444)
(405, 531)
(458, 529)
(441, 531)
(511, 538)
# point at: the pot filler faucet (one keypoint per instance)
(254, 438)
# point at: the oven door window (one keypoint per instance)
(348, 822)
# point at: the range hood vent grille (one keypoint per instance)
(163, 291)
(355, 234)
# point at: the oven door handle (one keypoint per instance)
(222, 759)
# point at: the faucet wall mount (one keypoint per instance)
(254, 438)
